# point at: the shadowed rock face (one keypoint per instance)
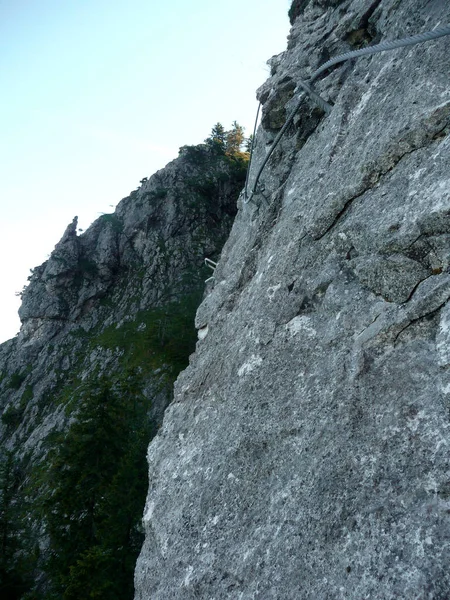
(306, 453)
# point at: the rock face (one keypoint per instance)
(306, 452)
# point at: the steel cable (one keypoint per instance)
(323, 104)
(251, 151)
(382, 47)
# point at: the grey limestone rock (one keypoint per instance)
(306, 452)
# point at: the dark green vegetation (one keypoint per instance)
(16, 380)
(93, 481)
(115, 222)
(159, 338)
(93, 491)
(92, 488)
(13, 415)
(18, 553)
(70, 514)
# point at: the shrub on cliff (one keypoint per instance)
(226, 142)
(217, 139)
(234, 138)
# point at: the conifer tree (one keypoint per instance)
(95, 494)
(217, 138)
(16, 555)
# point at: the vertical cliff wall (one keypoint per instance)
(306, 453)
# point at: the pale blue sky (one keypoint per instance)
(97, 94)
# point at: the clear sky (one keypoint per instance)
(97, 94)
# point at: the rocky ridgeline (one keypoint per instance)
(306, 452)
(113, 307)
(147, 254)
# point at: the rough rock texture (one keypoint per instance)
(306, 453)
